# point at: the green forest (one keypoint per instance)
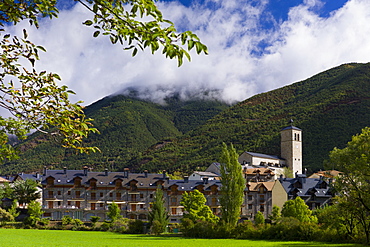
(329, 107)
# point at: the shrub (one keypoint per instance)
(135, 227)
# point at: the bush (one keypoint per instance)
(135, 227)
(66, 220)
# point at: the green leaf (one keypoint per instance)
(88, 23)
(134, 52)
(96, 34)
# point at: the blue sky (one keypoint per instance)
(254, 46)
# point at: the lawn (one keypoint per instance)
(25, 237)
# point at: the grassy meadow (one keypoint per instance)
(29, 237)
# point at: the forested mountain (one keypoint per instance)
(127, 127)
(329, 107)
(182, 136)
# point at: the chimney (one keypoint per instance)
(125, 172)
(146, 173)
(296, 174)
(205, 180)
(45, 169)
(164, 174)
(106, 172)
(85, 170)
(186, 179)
(281, 178)
(37, 175)
(65, 170)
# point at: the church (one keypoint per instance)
(290, 157)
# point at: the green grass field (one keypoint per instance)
(25, 237)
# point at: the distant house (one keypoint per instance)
(314, 191)
(259, 174)
(197, 175)
(262, 196)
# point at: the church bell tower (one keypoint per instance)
(291, 147)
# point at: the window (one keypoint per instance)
(151, 196)
(250, 197)
(69, 203)
(173, 211)
(262, 197)
(59, 192)
(69, 192)
(101, 205)
(141, 195)
(118, 196)
(101, 194)
(262, 208)
(110, 194)
(250, 206)
(93, 196)
(78, 194)
(262, 189)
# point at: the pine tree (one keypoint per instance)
(158, 216)
(233, 185)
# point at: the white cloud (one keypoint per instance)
(300, 47)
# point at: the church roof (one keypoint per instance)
(267, 156)
(291, 127)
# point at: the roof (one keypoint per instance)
(4, 180)
(267, 156)
(308, 186)
(254, 186)
(66, 177)
(263, 171)
(208, 174)
(291, 127)
(192, 184)
(327, 174)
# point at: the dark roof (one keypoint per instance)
(308, 185)
(192, 184)
(291, 127)
(67, 177)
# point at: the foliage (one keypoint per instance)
(34, 99)
(298, 209)
(338, 98)
(259, 219)
(67, 220)
(233, 185)
(114, 212)
(195, 208)
(135, 227)
(275, 214)
(94, 220)
(35, 212)
(128, 127)
(158, 216)
(353, 185)
(13, 209)
(5, 216)
(25, 191)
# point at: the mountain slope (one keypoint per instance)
(329, 107)
(127, 125)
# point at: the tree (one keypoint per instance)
(298, 209)
(195, 208)
(35, 212)
(158, 216)
(259, 219)
(233, 184)
(353, 185)
(114, 212)
(25, 191)
(34, 99)
(275, 214)
(5, 217)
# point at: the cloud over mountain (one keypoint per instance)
(249, 50)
